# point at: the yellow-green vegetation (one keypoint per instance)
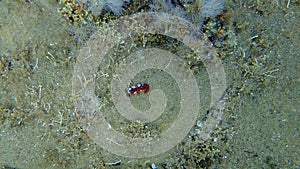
(76, 13)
